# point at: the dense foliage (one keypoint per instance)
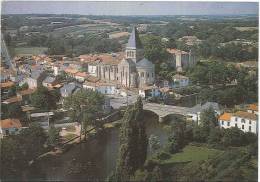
(133, 143)
(85, 106)
(17, 151)
(44, 99)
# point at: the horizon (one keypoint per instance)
(134, 8)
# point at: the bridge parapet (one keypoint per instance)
(164, 110)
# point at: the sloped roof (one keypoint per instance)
(68, 88)
(225, 116)
(36, 74)
(27, 91)
(10, 123)
(49, 79)
(12, 100)
(176, 51)
(6, 84)
(128, 61)
(144, 63)
(179, 77)
(247, 115)
(253, 107)
(134, 40)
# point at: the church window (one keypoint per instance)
(152, 74)
(142, 74)
(148, 75)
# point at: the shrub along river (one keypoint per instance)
(92, 160)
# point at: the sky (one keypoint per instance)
(129, 8)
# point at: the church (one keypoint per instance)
(132, 71)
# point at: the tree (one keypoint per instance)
(208, 119)
(85, 106)
(177, 140)
(133, 142)
(11, 111)
(32, 141)
(18, 150)
(53, 136)
(11, 156)
(44, 99)
(215, 136)
(233, 137)
(154, 143)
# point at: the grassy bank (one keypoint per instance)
(192, 154)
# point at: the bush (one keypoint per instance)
(150, 164)
(215, 136)
(234, 137)
(163, 155)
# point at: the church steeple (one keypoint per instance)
(134, 47)
(134, 40)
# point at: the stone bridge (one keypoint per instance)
(164, 110)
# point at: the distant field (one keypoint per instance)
(194, 154)
(118, 35)
(29, 50)
(81, 29)
(246, 28)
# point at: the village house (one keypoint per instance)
(245, 121)
(10, 127)
(68, 89)
(190, 40)
(180, 81)
(101, 86)
(36, 78)
(181, 60)
(149, 91)
(253, 108)
(49, 82)
(81, 76)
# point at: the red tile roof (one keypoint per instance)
(10, 123)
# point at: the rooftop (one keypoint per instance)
(27, 91)
(253, 107)
(10, 123)
(49, 79)
(81, 74)
(12, 100)
(179, 77)
(246, 115)
(176, 51)
(225, 116)
(7, 84)
(144, 63)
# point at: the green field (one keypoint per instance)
(29, 50)
(81, 29)
(193, 154)
(246, 28)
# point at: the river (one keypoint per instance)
(93, 160)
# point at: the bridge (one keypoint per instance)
(164, 110)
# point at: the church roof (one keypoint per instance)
(134, 40)
(144, 63)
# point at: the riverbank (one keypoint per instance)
(64, 147)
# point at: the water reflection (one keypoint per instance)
(93, 160)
